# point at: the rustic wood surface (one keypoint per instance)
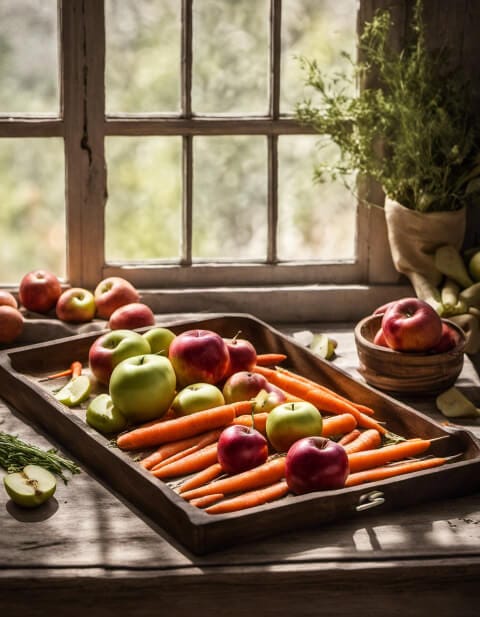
(88, 549)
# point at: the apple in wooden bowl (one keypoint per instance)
(413, 373)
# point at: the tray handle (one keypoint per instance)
(370, 500)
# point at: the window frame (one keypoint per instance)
(84, 125)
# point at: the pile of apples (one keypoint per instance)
(114, 299)
(158, 372)
(412, 325)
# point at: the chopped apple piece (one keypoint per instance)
(453, 404)
(75, 392)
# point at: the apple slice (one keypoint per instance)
(322, 345)
(31, 487)
(75, 392)
(103, 416)
(453, 404)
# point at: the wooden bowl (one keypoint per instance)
(406, 373)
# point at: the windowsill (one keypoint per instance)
(279, 304)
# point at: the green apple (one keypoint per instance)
(30, 487)
(103, 416)
(197, 397)
(159, 339)
(76, 305)
(143, 387)
(289, 422)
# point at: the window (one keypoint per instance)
(184, 165)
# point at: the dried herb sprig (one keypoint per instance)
(15, 454)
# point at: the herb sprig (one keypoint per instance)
(15, 454)
(412, 130)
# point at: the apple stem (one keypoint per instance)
(234, 339)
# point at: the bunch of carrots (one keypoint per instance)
(185, 448)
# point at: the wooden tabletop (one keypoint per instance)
(87, 551)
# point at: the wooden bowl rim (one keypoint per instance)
(361, 340)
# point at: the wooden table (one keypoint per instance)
(87, 552)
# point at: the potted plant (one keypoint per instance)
(411, 129)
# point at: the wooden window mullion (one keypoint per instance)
(272, 140)
(187, 140)
(82, 26)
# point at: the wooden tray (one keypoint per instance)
(21, 369)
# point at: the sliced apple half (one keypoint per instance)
(30, 487)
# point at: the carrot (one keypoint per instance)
(195, 461)
(363, 408)
(263, 475)
(250, 499)
(389, 471)
(74, 370)
(367, 459)
(175, 457)
(325, 402)
(201, 478)
(338, 425)
(259, 420)
(203, 502)
(164, 431)
(349, 437)
(286, 382)
(324, 399)
(367, 440)
(166, 451)
(270, 359)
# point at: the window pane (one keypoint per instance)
(143, 213)
(316, 29)
(32, 215)
(230, 198)
(230, 48)
(316, 221)
(28, 57)
(142, 55)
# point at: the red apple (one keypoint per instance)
(450, 338)
(379, 338)
(131, 316)
(113, 292)
(316, 464)
(76, 305)
(7, 299)
(411, 325)
(381, 309)
(243, 386)
(198, 356)
(242, 354)
(11, 323)
(39, 291)
(111, 348)
(241, 448)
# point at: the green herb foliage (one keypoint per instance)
(15, 454)
(412, 131)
